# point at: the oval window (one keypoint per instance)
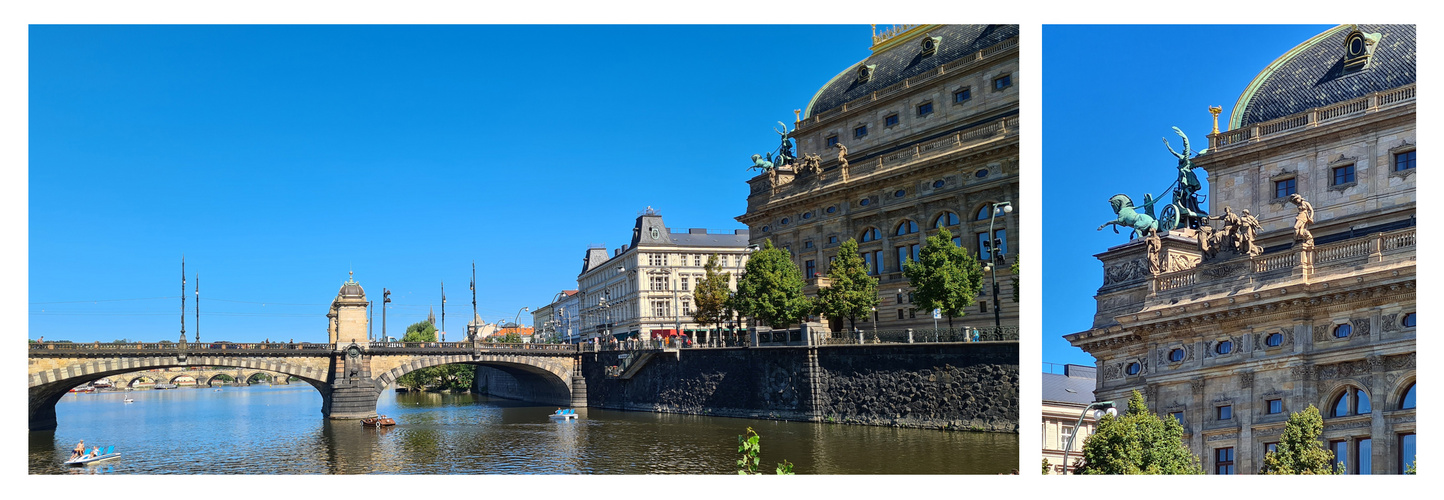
(1343, 331)
(1224, 347)
(1274, 340)
(807, 215)
(899, 193)
(1134, 368)
(785, 221)
(831, 209)
(766, 228)
(1175, 355)
(1409, 320)
(981, 173)
(938, 183)
(864, 202)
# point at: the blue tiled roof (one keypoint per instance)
(905, 60)
(1075, 387)
(1312, 74)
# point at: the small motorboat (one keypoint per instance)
(129, 400)
(85, 459)
(378, 421)
(568, 414)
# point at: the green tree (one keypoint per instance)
(1046, 465)
(944, 277)
(850, 292)
(1015, 278)
(711, 295)
(770, 289)
(1138, 442)
(1299, 451)
(444, 377)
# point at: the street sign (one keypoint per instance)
(937, 314)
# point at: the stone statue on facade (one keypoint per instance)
(1207, 241)
(1302, 221)
(1155, 248)
(1232, 224)
(1141, 223)
(842, 160)
(811, 163)
(1248, 234)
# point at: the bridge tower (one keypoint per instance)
(352, 392)
(348, 314)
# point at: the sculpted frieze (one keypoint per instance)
(1125, 272)
(1245, 379)
(1347, 425)
(1222, 271)
(1401, 419)
(1271, 431)
(1400, 362)
(1347, 369)
(1390, 322)
(1361, 328)
(1303, 372)
(1223, 436)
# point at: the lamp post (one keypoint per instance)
(994, 253)
(385, 299)
(518, 318)
(1099, 408)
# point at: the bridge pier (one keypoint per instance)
(579, 390)
(350, 400)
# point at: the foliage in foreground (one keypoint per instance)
(749, 445)
(1138, 442)
(1299, 451)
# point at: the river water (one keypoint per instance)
(279, 430)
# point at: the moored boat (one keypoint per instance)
(379, 421)
(568, 414)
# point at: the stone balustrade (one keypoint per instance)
(1314, 117)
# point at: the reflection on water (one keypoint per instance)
(279, 430)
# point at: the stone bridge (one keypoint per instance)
(202, 376)
(349, 376)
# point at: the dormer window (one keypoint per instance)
(930, 45)
(1358, 48)
(864, 73)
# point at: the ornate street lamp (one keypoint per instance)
(994, 255)
(1099, 409)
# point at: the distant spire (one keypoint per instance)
(430, 315)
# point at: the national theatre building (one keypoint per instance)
(920, 135)
(1294, 284)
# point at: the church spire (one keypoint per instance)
(430, 316)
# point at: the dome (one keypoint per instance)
(903, 56)
(351, 289)
(1318, 73)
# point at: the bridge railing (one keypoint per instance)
(203, 347)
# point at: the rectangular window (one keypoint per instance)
(832, 141)
(697, 260)
(1223, 461)
(982, 306)
(1063, 437)
(1268, 448)
(1276, 406)
(867, 261)
(877, 258)
(684, 283)
(1365, 451)
(1002, 82)
(899, 314)
(807, 244)
(1177, 416)
(962, 95)
(902, 255)
(686, 308)
(1000, 237)
(659, 283)
(925, 109)
(1225, 412)
(1286, 187)
(1406, 452)
(832, 240)
(890, 120)
(958, 241)
(859, 132)
(912, 313)
(983, 247)
(1341, 456)
(1343, 175)
(1403, 161)
(811, 268)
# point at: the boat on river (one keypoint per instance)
(568, 414)
(129, 400)
(85, 459)
(379, 421)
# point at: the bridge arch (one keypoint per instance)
(545, 380)
(47, 387)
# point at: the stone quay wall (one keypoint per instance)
(957, 386)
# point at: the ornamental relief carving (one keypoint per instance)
(1223, 436)
(1197, 386)
(1222, 271)
(1127, 271)
(1304, 372)
(1321, 333)
(1347, 425)
(1361, 328)
(1390, 322)
(1347, 369)
(1400, 362)
(1180, 262)
(1113, 371)
(1401, 419)
(1245, 379)
(1272, 431)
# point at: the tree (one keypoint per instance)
(1137, 443)
(770, 289)
(944, 277)
(447, 377)
(850, 292)
(1015, 278)
(711, 295)
(1299, 451)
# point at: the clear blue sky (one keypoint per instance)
(1110, 93)
(275, 158)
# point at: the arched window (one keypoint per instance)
(1340, 406)
(985, 212)
(1407, 402)
(870, 234)
(1353, 401)
(1409, 320)
(906, 227)
(946, 219)
(1343, 331)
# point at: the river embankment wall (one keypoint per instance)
(957, 386)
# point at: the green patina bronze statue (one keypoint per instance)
(1184, 211)
(1141, 223)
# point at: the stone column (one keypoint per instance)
(1382, 441)
(1243, 451)
(1200, 414)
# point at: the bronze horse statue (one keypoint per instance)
(1141, 223)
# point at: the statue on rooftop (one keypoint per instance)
(1154, 248)
(1232, 225)
(1141, 223)
(1302, 221)
(1184, 211)
(784, 151)
(1248, 234)
(842, 160)
(760, 164)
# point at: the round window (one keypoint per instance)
(1343, 331)
(1175, 355)
(865, 202)
(1274, 340)
(766, 228)
(938, 183)
(807, 215)
(1134, 368)
(1409, 320)
(785, 221)
(831, 209)
(981, 173)
(1224, 347)
(899, 193)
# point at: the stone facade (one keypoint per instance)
(1231, 345)
(924, 150)
(348, 315)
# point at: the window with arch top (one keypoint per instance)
(870, 234)
(985, 212)
(1353, 401)
(1407, 401)
(906, 227)
(946, 219)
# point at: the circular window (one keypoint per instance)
(785, 221)
(981, 173)
(1175, 355)
(766, 228)
(1274, 340)
(899, 193)
(1343, 331)
(831, 209)
(865, 202)
(1224, 347)
(1134, 368)
(1409, 320)
(807, 215)
(938, 183)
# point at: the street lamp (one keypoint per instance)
(518, 318)
(1099, 409)
(994, 254)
